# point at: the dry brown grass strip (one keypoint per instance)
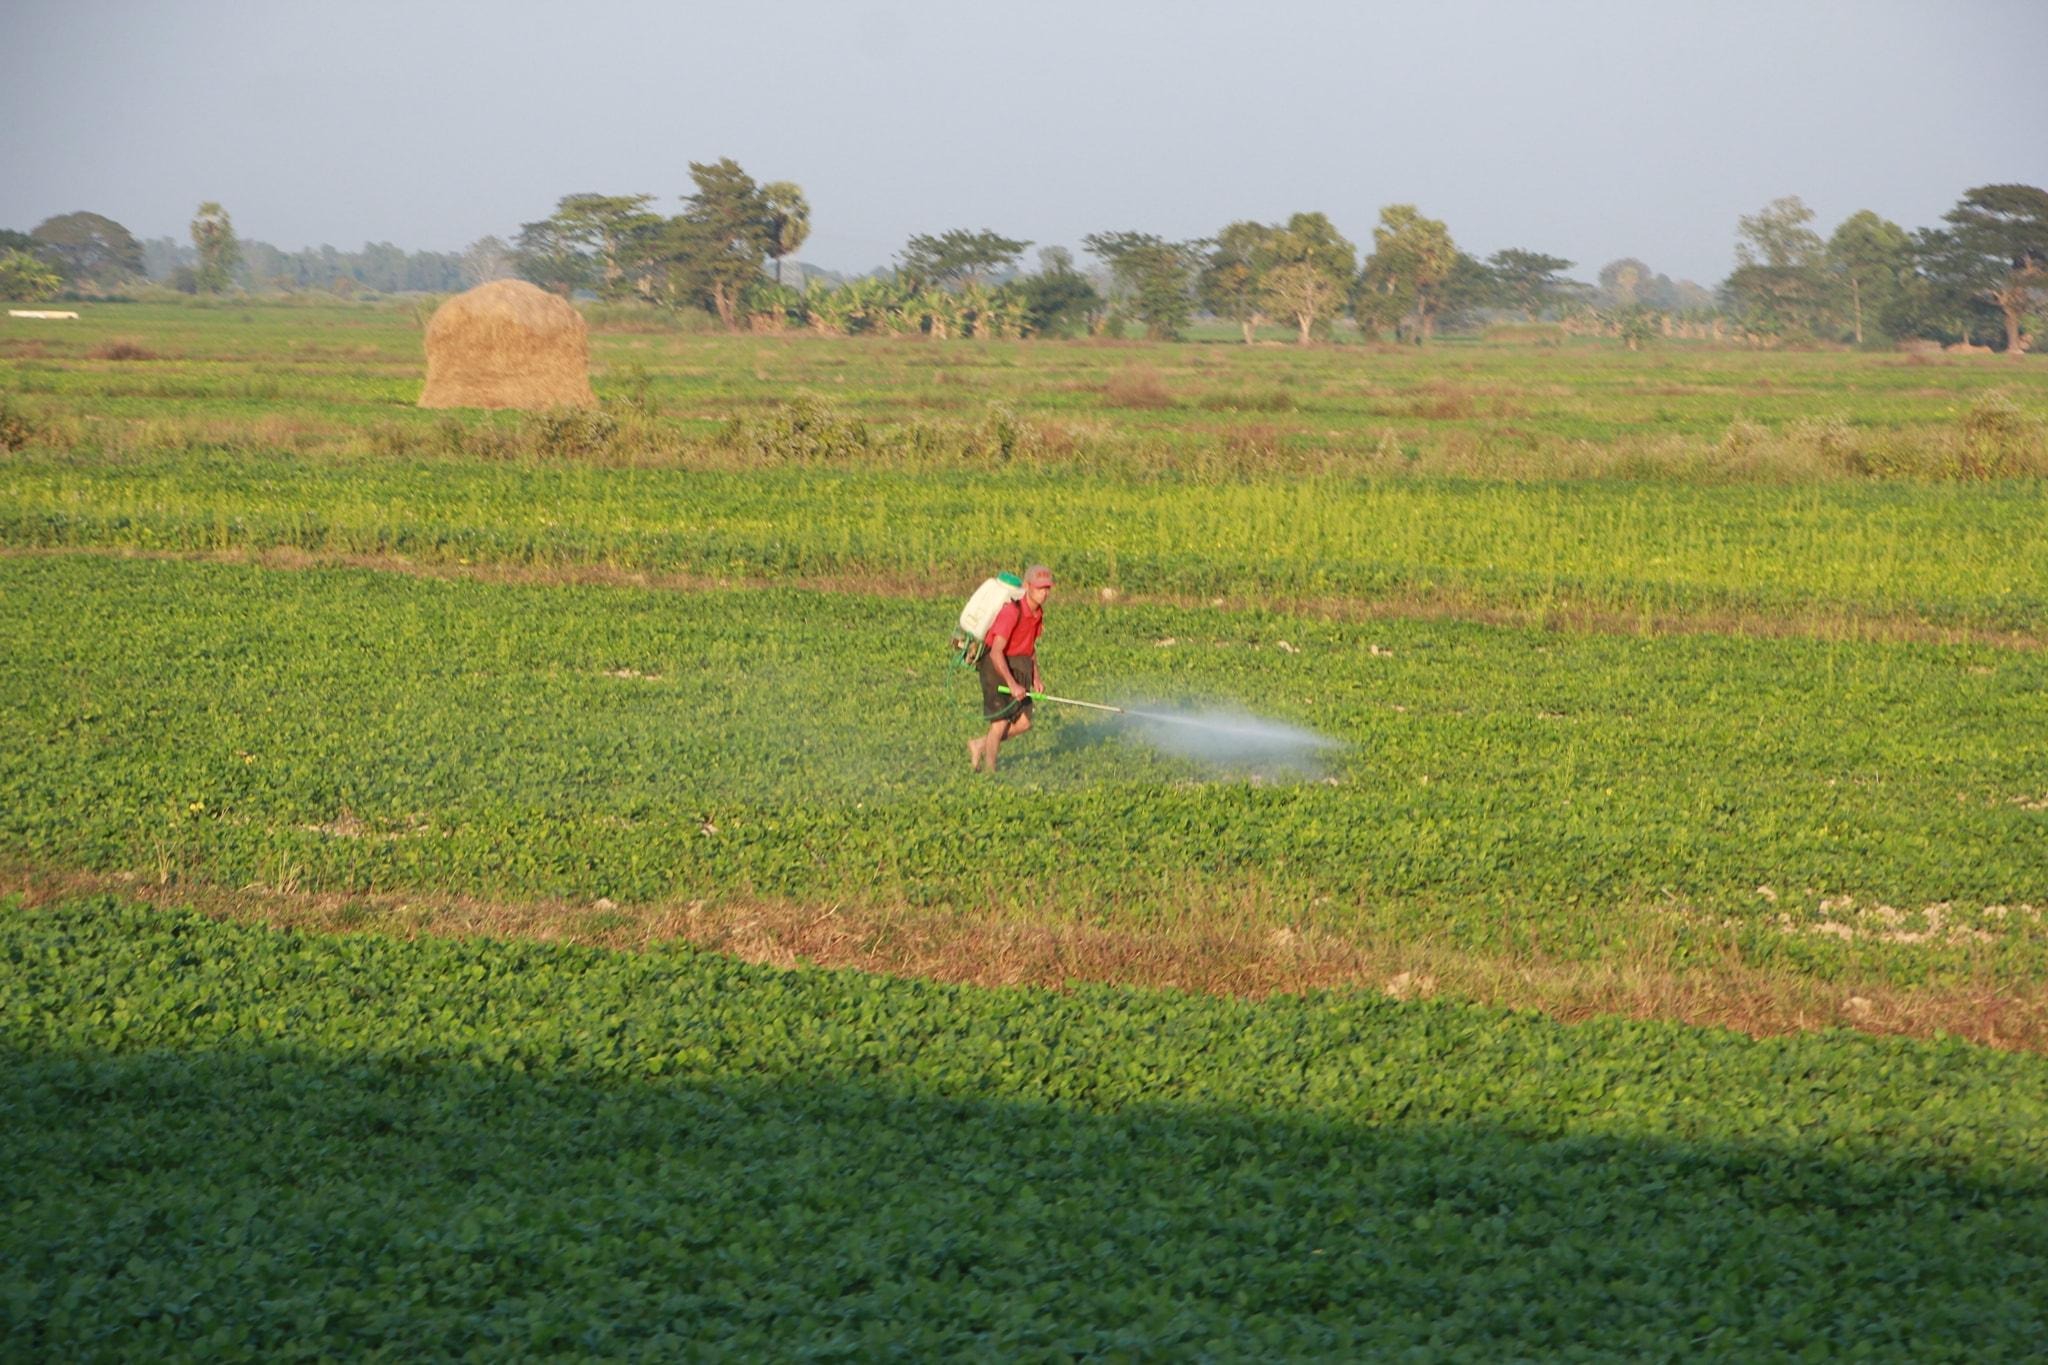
(1209, 955)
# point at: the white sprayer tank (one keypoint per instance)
(980, 612)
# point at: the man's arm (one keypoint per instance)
(995, 654)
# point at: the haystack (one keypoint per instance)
(507, 344)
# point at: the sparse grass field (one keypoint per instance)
(1679, 692)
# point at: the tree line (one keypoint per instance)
(1982, 273)
(89, 254)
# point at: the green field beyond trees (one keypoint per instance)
(1666, 689)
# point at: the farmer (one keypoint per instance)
(1011, 660)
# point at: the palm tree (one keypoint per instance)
(787, 222)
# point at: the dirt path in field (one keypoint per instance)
(1400, 607)
(1214, 956)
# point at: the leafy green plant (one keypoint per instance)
(230, 1141)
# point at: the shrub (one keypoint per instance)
(1996, 439)
(17, 430)
(1257, 444)
(1744, 438)
(121, 348)
(1830, 442)
(570, 433)
(1003, 436)
(482, 441)
(806, 429)
(1137, 387)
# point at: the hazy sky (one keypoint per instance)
(1588, 128)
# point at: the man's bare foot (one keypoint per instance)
(974, 755)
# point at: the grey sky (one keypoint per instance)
(1588, 128)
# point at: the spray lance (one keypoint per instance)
(1117, 710)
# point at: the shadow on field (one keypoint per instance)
(1072, 737)
(205, 1203)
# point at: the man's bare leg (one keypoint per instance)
(1000, 731)
(990, 742)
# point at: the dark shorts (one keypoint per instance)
(996, 705)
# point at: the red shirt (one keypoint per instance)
(1020, 622)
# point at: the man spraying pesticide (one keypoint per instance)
(1006, 650)
(999, 632)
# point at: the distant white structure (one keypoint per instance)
(38, 313)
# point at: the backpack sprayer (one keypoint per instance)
(980, 613)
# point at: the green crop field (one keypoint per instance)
(1653, 962)
(359, 731)
(227, 1142)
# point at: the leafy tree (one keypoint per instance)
(383, 267)
(213, 237)
(1622, 283)
(1311, 263)
(1629, 283)
(1777, 303)
(717, 246)
(484, 260)
(1778, 287)
(1233, 275)
(1299, 291)
(1619, 299)
(1312, 239)
(1527, 281)
(605, 228)
(544, 255)
(788, 222)
(1937, 297)
(1469, 288)
(1865, 258)
(26, 277)
(1058, 301)
(88, 249)
(1153, 279)
(10, 240)
(1997, 250)
(1403, 280)
(1778, 236)
(433, 272)
(957, 256)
